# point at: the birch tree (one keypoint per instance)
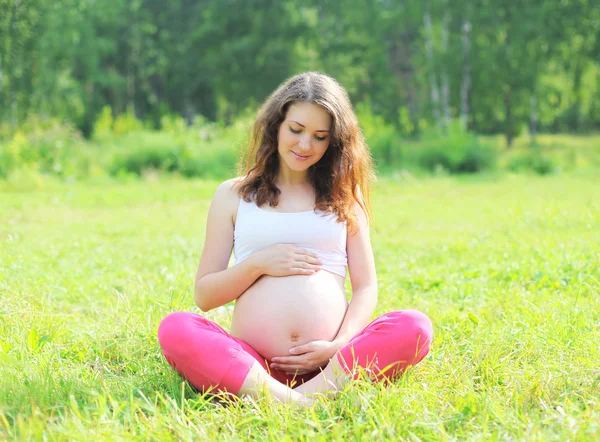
(466, 73)
(433, 84)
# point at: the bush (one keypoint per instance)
(48, 146)
(139, 151)
(126, 123)
(217, 164)
(533, 161)
(103, 126)
(217, 148)
(457, 151)
(201, 150)
(24, 179)
(382, 138)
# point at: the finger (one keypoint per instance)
(311, 259)
(288, 359)
(308, 253)
(301, 349)
(299, 261)
(314, 261)
(293, 364)
(307, 265)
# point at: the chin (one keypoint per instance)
(298, 168)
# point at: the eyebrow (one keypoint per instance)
(300, 124)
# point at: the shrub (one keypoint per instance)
(138, 151)
(217, 148)
(382, 138)
(534, 161)
(126, 123)
(103, 126)
(457, 151)
(179, 148)
(218, 164)
(24, 179)
(48, 146)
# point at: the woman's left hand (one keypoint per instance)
(305, 358)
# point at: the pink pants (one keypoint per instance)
(209, 357)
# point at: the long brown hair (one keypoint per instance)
(340, 178)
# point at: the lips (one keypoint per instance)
(300, 157)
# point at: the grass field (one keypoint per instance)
(506, 267)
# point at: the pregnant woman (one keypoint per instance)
(296, 219)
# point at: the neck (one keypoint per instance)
(289, 177)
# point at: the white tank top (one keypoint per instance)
(256, 229)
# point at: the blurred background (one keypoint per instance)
(113, 88)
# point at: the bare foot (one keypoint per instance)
(329, 382)
(258, 383)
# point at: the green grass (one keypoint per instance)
(506, 267)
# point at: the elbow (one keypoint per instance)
(201, 300)
(204, 307)
(202, 304)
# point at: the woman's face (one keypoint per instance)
(304, 135)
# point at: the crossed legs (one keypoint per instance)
(209, 358)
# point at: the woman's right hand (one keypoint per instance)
(286, 260)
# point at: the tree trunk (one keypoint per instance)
(10, 91)
(577, 80)
(133, 60)
(533, 117)
(508, 117)
(400, 61)
(444, 75)
(130, 84)
(466, 80)
(1, 82)
(433, 86)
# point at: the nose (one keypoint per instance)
(304, 143)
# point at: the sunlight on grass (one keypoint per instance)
(506, 267)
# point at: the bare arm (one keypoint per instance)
(363, 277)
(216, 284)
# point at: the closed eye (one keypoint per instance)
(294, 131)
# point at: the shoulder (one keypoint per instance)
(226, 196)
(360, 204)
(360, 212)
(229, 189)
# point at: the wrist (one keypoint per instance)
(256, 266)
(339, 342)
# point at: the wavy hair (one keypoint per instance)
(344, 173)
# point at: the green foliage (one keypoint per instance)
(139, 151)
(103, 126)
(456, 151)
(382, 138)
(551, 154)
(73, 59)
(48, 146)
(206, 149)
(27, 179)
(407, 127)
(200, 150)
(533, 160)
(127, 122)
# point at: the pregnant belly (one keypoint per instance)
(278, 313)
